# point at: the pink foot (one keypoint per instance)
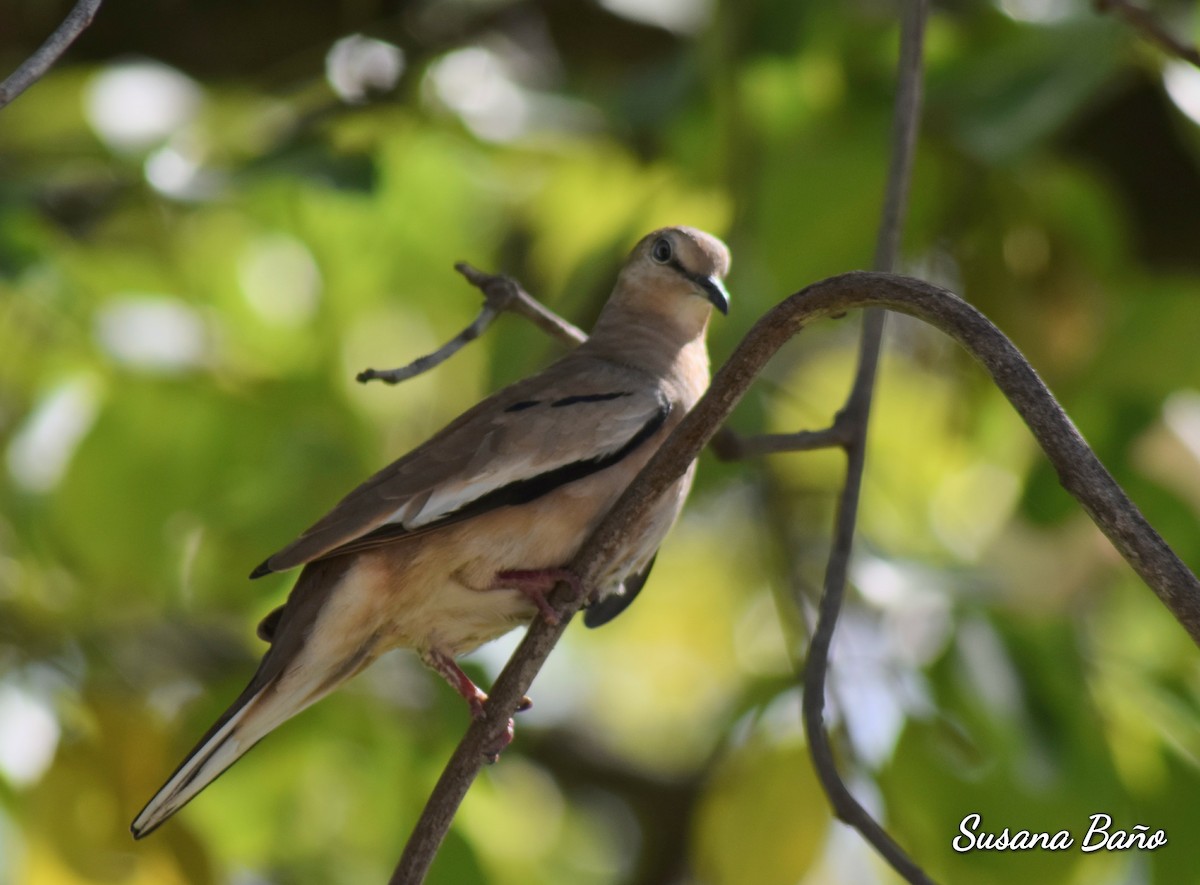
(444, 665)
(492, 752)
(536, 583)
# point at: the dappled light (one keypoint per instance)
(208, 229)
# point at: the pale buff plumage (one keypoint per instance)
(410, 558)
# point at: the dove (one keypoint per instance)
(460, 540)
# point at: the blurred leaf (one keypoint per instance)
(761, 818)
(1006, 99)
(301, 239)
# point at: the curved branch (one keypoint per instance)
(35, 67)
(1079, 470)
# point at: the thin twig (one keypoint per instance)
(500, 293)
(1143, 21)
(729, 445)
(510, 295)
(856, 414)
(423, 364)
(1080, 471)
(35, 67)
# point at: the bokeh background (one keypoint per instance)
(213, 214)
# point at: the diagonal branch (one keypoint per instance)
(1144, 22)
(35, 67)
(1080, 471)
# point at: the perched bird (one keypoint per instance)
(458, 542)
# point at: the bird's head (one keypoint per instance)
(681, 261)
(676, 272)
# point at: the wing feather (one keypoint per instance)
(600, 613)
(585, 415)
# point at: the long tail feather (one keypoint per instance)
(246, 721)
(264, 705)
(298, 670)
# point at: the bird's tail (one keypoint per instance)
(302, 666)
(260, 708)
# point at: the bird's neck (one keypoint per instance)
(656, 345)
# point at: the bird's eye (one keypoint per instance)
(661, 251)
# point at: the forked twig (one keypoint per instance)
(500, 293)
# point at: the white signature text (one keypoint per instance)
(1100, 836)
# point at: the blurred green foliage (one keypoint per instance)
(193, 269)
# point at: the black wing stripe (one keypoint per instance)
(520, 492)
(588, 398)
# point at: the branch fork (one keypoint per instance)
(1081, 472)
(500, 293)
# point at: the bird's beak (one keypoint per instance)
(714, 291)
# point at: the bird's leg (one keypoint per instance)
(444, 665)
(536, 583)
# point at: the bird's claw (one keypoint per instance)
(475, 697)
(497, 745)
(536, 583)
(492, 751)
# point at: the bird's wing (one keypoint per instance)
(577, 417)
(600, 613)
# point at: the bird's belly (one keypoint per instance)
(426, 611)
(434, 592)
(459, 619)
